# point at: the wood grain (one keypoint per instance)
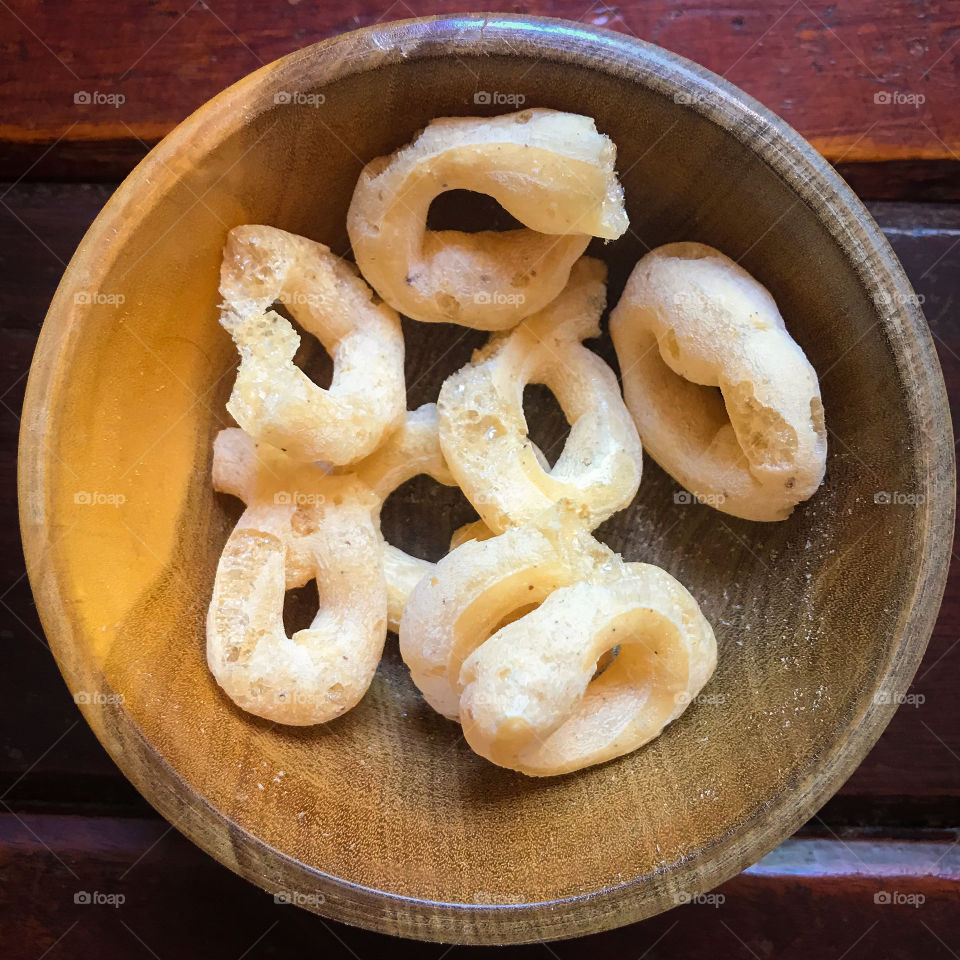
(817, 65)
(773, 909)
(385, 813)
(930, 181)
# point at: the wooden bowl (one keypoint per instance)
(385, 818)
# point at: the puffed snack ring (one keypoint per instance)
(273, 399)
(304, 523)
(506, 636)
(691, 319)
(550, 170)
(483, 431)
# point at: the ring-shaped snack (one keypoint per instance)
(470, 592)
(483, 430)
(536, 610)
(534, 701)
(691, 320)
(273, 399)
(550, 170)
(303, 523)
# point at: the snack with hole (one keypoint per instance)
(723, 398)
(550, 170)
(305, 522)
(272, 398)
(483, 430)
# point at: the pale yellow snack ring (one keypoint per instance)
(531, 700)
(300, 523)
(304, 522)
(272, 399)
(691, 319)
(474, 588)
(550, 170)
(538, 610)
(483, 431)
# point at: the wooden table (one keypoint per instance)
(88, 88)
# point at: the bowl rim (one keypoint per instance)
(815, 183)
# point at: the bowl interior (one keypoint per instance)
(809, 613)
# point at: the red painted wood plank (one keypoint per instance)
(93, 887)
(863, 81)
